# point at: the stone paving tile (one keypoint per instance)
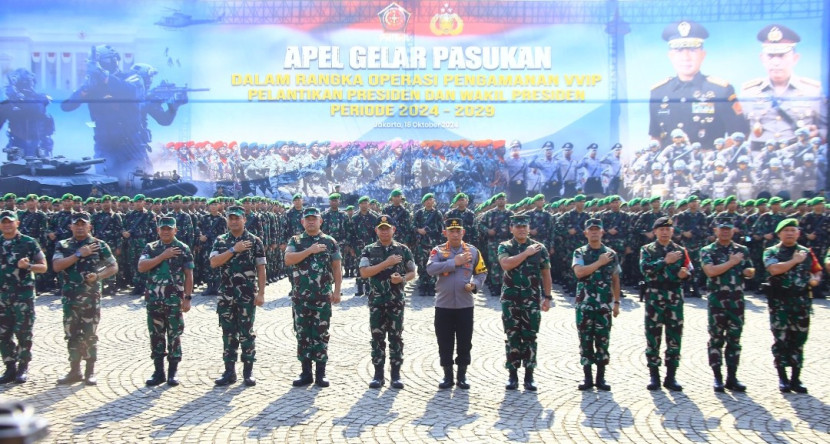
(122, 409)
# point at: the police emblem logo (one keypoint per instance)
(775, 34)
(446, 22)
(683, 28)
(394, 18)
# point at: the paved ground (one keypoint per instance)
(122, 409)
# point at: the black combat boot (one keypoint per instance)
(247, 374)
(89, 373)
(601, 385)
(447, 382)
(783, 381)
(732, 382)
(671, 381)
(589, 378)
(359, 287)
(718, 384)
(22, 373)
(654, 381)
(529, 383)
(172, 378)
(74, 374)
(377, 380)
(305, 376)
(512, 380)
(320, 375)
(395, 377)
(158, 375)
(461, 378)
(795, 381)
(10, 374)
(228, 377)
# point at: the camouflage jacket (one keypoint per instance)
(165, 282)
(594, 290)
(254, 224)
(381, 289)
(695, 223)
(403, 222)
(14, 280)
(312, 278)
(431, 221)
(293, 226)
(140, 225)
(212, 227)
(766, 224)
(732, 279)
(240, 272)
(653, 264)
(363, 228)
(59, 224)
(542, 222)
(498, 220)
(619, 221)
(524, 281)
(75, 288)
(34, 224)
(108, 227)
(337, 225)
(185, 230)
(796, 278)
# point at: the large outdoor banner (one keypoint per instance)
(278, 97)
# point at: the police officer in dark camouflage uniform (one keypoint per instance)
(169, 264)
(726, 264)
(315, 259)
(597, 269)
(240, 256)
(21, 257)
(792, 271)
(387, 265)
(83, 262)
(663, 264)
(527, 289)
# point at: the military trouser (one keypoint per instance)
(80, 327)
(165, 321)
(790, 323)
(494, 270)
(311, 326)
(569, 278)
(521, 319)
(386, 320)
(236, 317)
(210, 275)
(17, 319)
(725, 328)
(594, 326)
(421, 253)
(134, 248)
(664, 309)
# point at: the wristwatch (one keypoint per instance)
(78, 253)
(232, 250)
(188, 297)
(548, 297)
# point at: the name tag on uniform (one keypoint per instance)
(703, 108)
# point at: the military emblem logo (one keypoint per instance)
(684, 28)
(446, 22)
(394, 18)
(775, 34)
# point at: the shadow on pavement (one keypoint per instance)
(750, 415)
(371, 410)
(602, 412)
(295, 407)
(125, 407)
(520, 414)
(214, 404)
(448, 409)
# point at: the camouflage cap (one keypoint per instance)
(80, 215)
(725, 222)
(519, 219)
(8, 214)
(236, 210)
(311, 212)
(167, 222)
(593, 222)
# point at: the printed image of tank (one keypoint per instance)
(159, 184)
(53, 176)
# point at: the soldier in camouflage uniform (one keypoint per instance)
(692, 230)
(363, 233)
(83, 262)
(240, 258)
(428, 223)
(315, 258)
(527, 288)
(337, 224)
(169, 264)
(664, 267)
(212, 225)
(467, 216)
(293, 223)
(616, 232)
(35, 224)
(387, 265)
(107, 226)
(814, 230)
(597, 269)
(495, 228)
(792, 271)
(21, 257)
(541, 222)
(571, 225)
(58, 231)
(185, 230)
(401, 217)
(139, 229)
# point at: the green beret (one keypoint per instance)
(176, 197)
(667, 203)
(718, 201)
(89, 200)
(749, 203)
(580, 198)
(730, 198)
(613, 198)
(11, 196)
(123, 199)
(761, 201)
(705, 202)
(789, 222)
(459, 196)
(801, 201)
(67, 196)
(350, 208)
(816, 201)
(787, 204)
(775, 200)
(537, 198)
(635, 201)
(426, 197)
(653, 199)
(692, 198)
(395, 192)
(374, 202)
(31, 197)
(19, 200)
(77, 199)
(499, 196)
(296, 196)
(334, 196)
(186, 199)
(138, 197)
(363, 199)
(569, 201)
